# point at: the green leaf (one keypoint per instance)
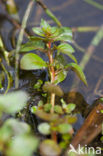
(44, 94)
(36, 38)
(64, 38)
(60, 77)
(101, 138)
(63, 144)
(66, 137)
(64, 105)
(101, 99)
(52, 88)
(49, 148)
(45, 26)
(70, 107)
(101, 111)
(67, 31)
(22, 145)
(65, 34)
(32, 45)
(71, 119)
(34, 109)
(55, 31)
(77, 69)
(44, 128)
(40, 103)
(47, 107)
(47, 116)
(31, 62)
(65, 48)
(38, 84)
(58, 109)
(72, 57)
(60, 60)
(13, 102)
(38, 31)
(64, 128)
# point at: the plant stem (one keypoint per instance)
(52, 102)
(52, 75)
(52, 78)
(19, 42)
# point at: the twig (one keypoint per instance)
(19, 42)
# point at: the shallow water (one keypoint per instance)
(72, 13)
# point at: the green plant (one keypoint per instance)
(46, 40)
(54, 43)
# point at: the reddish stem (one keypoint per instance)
(52, 71)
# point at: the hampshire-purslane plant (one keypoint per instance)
(54, 42)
